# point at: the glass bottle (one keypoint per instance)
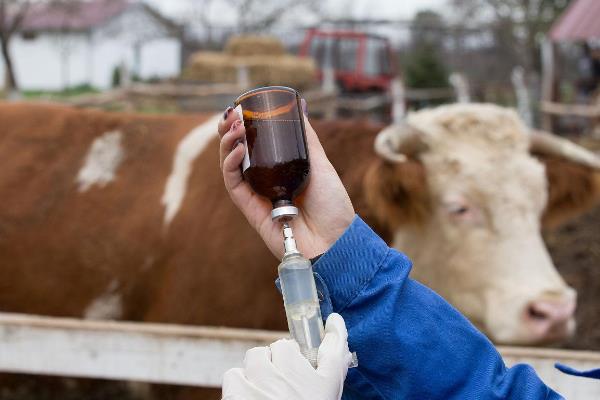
(276, 163)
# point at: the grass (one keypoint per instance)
(61, 94)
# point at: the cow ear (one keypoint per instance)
(396, 193)
(572, 190)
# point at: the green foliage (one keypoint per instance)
(61, 94)
(424, 69)
(423, 65)
(116, 77)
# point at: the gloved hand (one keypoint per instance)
(280, 372)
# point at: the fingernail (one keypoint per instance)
(227, 111)
(237, 143)
(304, 107)
(235, 124)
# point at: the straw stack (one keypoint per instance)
(252, 45)
(263, 57)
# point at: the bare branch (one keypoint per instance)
(19, 17)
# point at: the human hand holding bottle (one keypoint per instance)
(325, 208)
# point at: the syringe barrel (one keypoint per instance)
(301, 304)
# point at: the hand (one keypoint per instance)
(325, 210)
(281, 372)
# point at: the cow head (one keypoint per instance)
(466, 189)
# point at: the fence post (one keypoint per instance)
(328, 86)
(523, 101)
(398, 100)
(243, 77)
(461, 87)
(548, 80)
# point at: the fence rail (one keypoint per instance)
(193, 355)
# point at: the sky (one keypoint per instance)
(220, 15)
(368, 9)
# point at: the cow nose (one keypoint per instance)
(551, 320)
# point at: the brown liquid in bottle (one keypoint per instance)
(278, 165)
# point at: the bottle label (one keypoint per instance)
(246, 162)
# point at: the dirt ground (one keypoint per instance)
(575, 249)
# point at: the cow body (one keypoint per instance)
(122, 247)
(126, 217)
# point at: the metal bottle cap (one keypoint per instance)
(284, 213)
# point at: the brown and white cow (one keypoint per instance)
(477, 238)
(126, 217)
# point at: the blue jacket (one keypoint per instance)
(411, 344)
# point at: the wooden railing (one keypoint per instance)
(194, 355)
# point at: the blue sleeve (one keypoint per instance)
(410, 343)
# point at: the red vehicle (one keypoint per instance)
(362, 62)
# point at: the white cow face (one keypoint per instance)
(464, 198)
(482, 248)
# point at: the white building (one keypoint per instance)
(83, 42)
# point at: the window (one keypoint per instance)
(347, 54)
(376, 58)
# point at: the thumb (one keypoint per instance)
(334, 356)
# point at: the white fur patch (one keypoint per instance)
(187, 151)
(109, 305)
(102, 160)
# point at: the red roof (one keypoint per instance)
(72, 15)
(580, 21)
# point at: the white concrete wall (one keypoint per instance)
(49, 61)
(92, 58)
(160, 58)
(108, 54)
(159, 54)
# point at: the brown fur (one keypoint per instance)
(385, 195)
(397, 194)
(59, 249)
(573, 189)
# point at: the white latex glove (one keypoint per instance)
(280, 371)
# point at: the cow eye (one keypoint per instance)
(460, 210)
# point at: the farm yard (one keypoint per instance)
(465, 132)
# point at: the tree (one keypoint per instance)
(12, 15)
(515, 24)
(68, 9)
(424, 67)
(255, 16)
(206, 29)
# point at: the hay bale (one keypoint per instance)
(213, 67)
(280, 70)
(283, 69)
(252, 45)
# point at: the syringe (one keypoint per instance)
(300, 298)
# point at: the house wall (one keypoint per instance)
(50, 61)
(138, 40)
(56, 61)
